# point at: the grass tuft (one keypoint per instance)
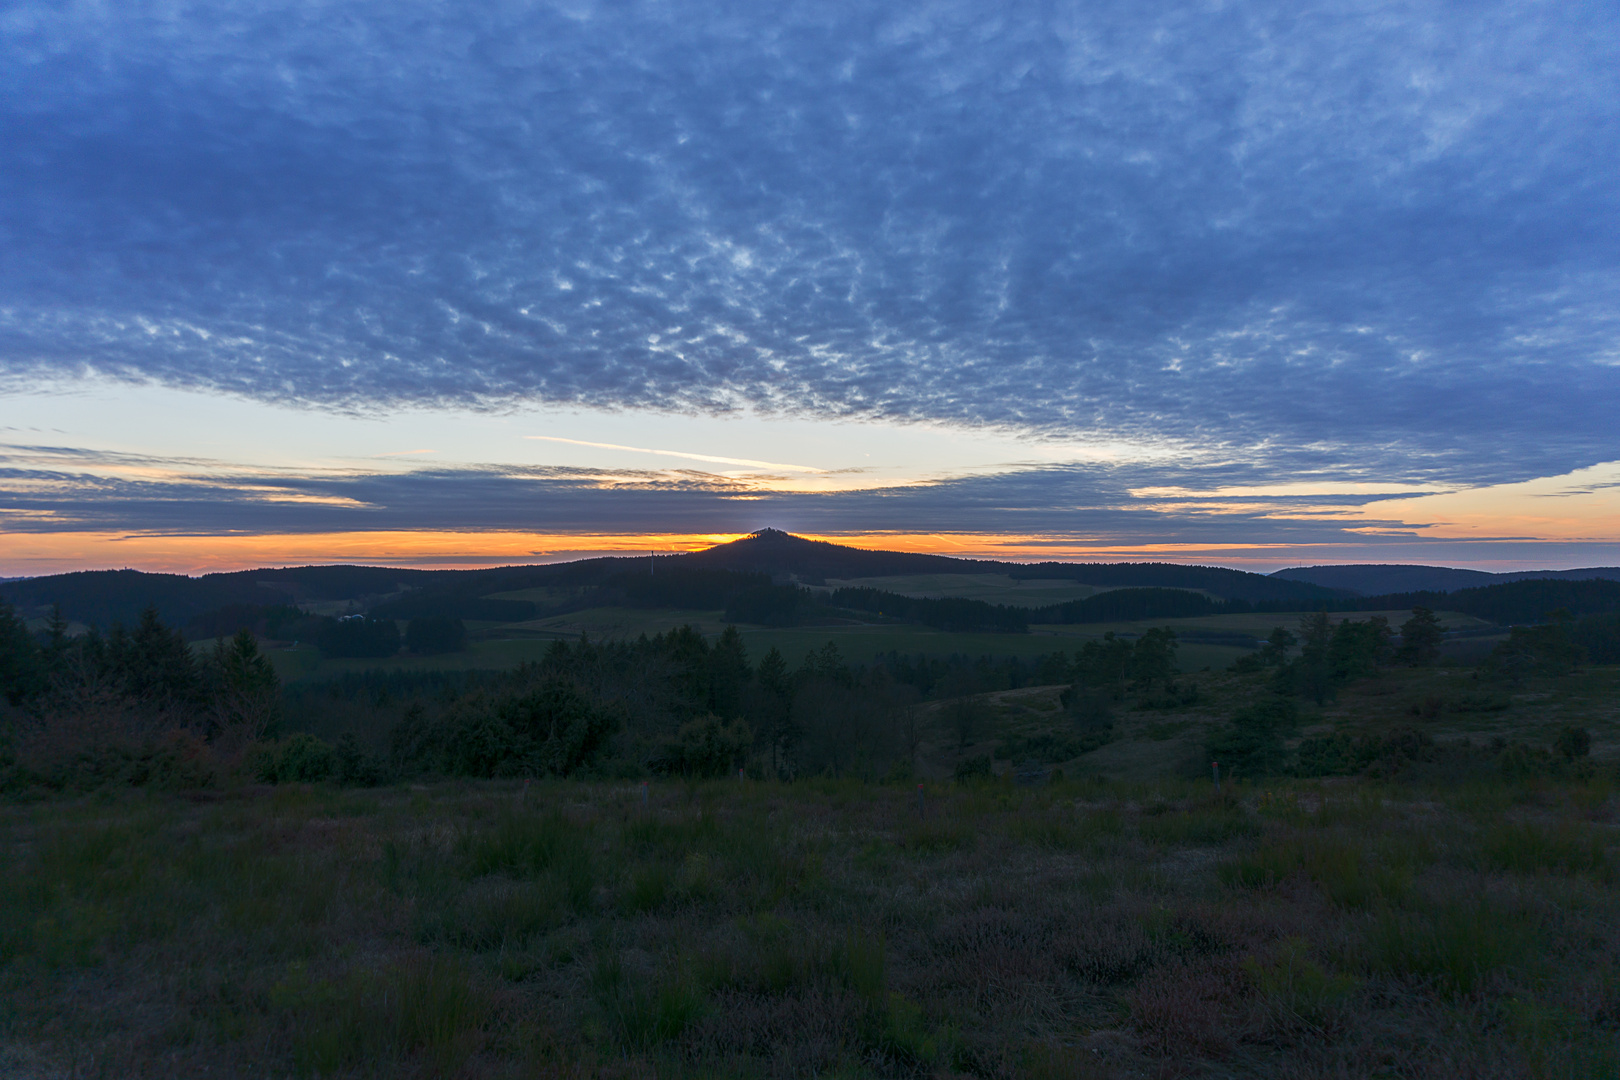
(1455, 947)
(1566, 848)
(425, 1006)
(1339, 868)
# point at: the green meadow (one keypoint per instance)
(991, 588)
(497, 646)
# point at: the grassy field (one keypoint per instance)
(1258, 624)
(991, 588)
(505, 645)
(1120, 918)
(1075, 929)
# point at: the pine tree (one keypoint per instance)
(246, 689)
(22, 672)
(1420, 638)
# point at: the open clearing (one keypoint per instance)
(498, 646)
(991, 588)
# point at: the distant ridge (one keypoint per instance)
(783, 555)
(780, 554)
(105, 596)
(1377, 579)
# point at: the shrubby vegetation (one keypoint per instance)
(679, 704)
(541, 724)
(1093, 929)
(132, 706)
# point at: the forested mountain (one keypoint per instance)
(815, 561)
(781, 554)
(104, 597)
(1217, 580)
(1510, 602)
(1374, 579)
(762, 579)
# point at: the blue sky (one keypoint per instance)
(1315, 282)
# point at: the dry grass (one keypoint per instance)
(1077, 930)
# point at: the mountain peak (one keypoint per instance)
(782, 554)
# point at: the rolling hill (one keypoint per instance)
(1377, 579)
(757, 579)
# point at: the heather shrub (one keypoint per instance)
(1295, 989)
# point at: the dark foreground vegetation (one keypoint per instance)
(823, 928)
(666, 857)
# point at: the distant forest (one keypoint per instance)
(672, 703)
(206, 608)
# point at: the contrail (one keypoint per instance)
(682, 454)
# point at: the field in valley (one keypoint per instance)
(1208, 641)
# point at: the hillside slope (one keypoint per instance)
(1377, 579)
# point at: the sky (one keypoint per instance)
(419, 283)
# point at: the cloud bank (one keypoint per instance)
(48, 489)
(1376, 238)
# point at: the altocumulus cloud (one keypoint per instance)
(1376, 238)
(46, 489)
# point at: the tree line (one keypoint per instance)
(1314, 663)
(137, 703)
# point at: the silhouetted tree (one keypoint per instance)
(1153, 659)
(1420, 638)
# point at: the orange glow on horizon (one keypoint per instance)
(51, 553)
(54, 553)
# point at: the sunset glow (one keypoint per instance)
(1272, 285)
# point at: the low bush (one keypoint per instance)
(707, 747)
(302, 758)
(1054, 746)
(1345, 754)
(548, 728)
(1252, 744)
(973, 768)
